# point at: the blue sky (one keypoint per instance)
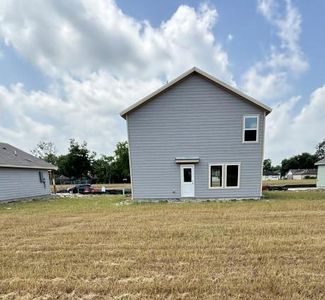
(69, 67)
(252, 35)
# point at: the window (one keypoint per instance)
(216, 176)
(250, 129)
(232, 172)
(224, 175)
(41, 177)
(187, 173)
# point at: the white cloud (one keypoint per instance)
(88, 112)
(82, 36)
(100, 61)
(289, 134)
(270, 78)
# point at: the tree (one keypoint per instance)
(301, 161)
(77, 163)
(267, 165)
(102, 169)
(120, 165)
(46, 151)
(320, 150)
(62, 164)
(113, 168)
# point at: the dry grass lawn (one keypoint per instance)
(289, 181)
(93, 248)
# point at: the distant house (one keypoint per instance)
(22, 175)
(271, 175)
(321, 173)
(196, 137)
(299, 174)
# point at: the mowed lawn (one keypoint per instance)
(95, 248)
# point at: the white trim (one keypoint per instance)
(263, 142)
(222, 176)
(257, 129)
(29, 167)
(238, 177)
(320, 163)
(130, 159)
(204, 74)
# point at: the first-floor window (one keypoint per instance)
(224, 175)
(41, 177)
(232, 175)
(216, 176)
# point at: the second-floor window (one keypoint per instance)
(250, 129)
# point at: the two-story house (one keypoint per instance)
(196, 137)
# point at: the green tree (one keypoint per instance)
(46, 151)
(267, 165)
(301, 161)
(120, 165)
(102, 169)
(320, 150)
(77, 163)
(62, 164)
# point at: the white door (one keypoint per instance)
(187, 180)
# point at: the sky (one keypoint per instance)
(67, 68)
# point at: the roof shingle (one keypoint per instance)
(12, 157)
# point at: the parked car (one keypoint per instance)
(80, 188)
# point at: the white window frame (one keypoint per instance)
(224, 175)
(257, 129)
(225, 179)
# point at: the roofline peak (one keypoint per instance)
(184, 75)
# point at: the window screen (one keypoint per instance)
(215, 176)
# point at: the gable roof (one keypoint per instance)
(320, 162)
(211, 78)
(303, 171)
(12, 157)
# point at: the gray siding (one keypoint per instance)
(22, 183)
(195, 118)
(321, 176)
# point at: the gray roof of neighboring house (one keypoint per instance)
(12, 157)
(271, 173)
(303, 171)
(320, 162)
(205, 75)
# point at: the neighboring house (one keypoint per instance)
(321, 173)
(196, 137)
(299, 174)
(270, 175)
(22, 175)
